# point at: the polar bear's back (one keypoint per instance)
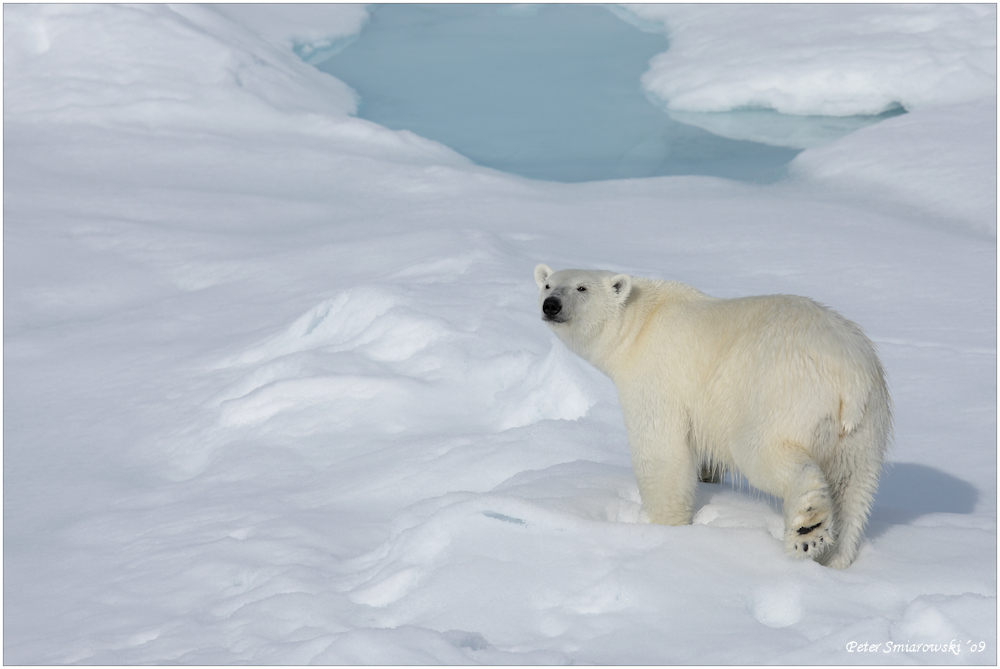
(780, 361)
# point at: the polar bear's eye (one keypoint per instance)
(582, 289)
(546, 286)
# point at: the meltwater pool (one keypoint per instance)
(544, 91)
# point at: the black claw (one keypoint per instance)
(805, 548)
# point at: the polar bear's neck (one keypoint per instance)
(610, 347)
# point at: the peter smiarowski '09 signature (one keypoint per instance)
(954, 647)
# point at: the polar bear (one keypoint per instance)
(784, 391)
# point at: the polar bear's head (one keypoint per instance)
(577, 304)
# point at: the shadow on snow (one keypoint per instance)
(908, 490)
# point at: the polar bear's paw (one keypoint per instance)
(809, 541)
(809, 533)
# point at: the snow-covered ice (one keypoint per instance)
(820, 58)
(276, 391)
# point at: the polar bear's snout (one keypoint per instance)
(551, 307)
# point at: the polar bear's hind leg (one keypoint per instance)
(809, 512)
(854, 479)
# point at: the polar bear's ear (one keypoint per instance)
(621, 284)
(542, 272)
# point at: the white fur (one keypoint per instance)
(786, 392)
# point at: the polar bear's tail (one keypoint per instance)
(853, 471)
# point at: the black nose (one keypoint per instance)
(551, 306)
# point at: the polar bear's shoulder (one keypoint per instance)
(657, 291)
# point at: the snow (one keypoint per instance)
(309, 25)
(890, 162)
(276, 389)
(814, 59)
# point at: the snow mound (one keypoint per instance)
(776, 605)
(202, 62)
(310, 26)
(827, 60)
(888, 162)
(963, 617)
(387, 358)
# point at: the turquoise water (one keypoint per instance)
(544, 91)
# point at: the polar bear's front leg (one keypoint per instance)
(666, 473)
(667, 493)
